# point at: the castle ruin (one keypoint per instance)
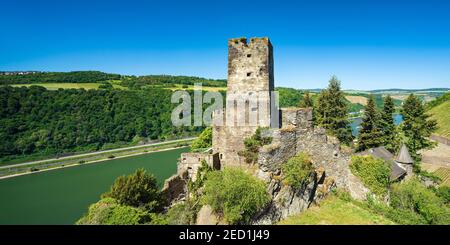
(250, 75)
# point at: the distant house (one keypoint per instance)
(401, 166)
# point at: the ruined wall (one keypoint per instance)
(175, 187)
(191, 161)
(299, 135)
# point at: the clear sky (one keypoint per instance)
(367, 44)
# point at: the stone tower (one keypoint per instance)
(248, 105)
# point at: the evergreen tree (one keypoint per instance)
(416, 127)
(306, 101)
(332, 111)
(387, 124)
(370, 134)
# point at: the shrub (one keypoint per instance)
(202, 172)
(400, 216)
(373, 172)
(412, 195)
(234, 194)
(297, 170)
(105, 85)
(252, 145)
(181, 214)
(444, 193)
(137, 190)
(108, 211)
(203, 141)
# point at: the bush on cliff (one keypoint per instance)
(373, 172)
(234, 194)
(297, 170)
(109, 211)
(138, 190)
(183, 213)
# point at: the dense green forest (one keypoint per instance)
(136, 82)
(59, 77)
(39, 121)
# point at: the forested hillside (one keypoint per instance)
(97, 76)
(39, 121)
(58, 77)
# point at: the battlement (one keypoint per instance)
(243, 41)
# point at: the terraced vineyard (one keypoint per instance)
(444, 174)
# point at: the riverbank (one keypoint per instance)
(96, 161)
(93, 157)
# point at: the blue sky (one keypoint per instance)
(367, 44)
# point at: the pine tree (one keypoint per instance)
(332, 111)
(306, 101)
(387, 124)
(416, 128)
(370, 134)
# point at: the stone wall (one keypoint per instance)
(175, 187)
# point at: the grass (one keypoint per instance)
(441, 114)
(336, 211)
(56, 86)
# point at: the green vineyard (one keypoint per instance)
(444, 174)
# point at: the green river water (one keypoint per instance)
(62, 196)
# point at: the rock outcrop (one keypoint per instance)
(288, 200)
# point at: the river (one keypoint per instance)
(62, 196)
(356, 122)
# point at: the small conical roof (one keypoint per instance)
(404, 156)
